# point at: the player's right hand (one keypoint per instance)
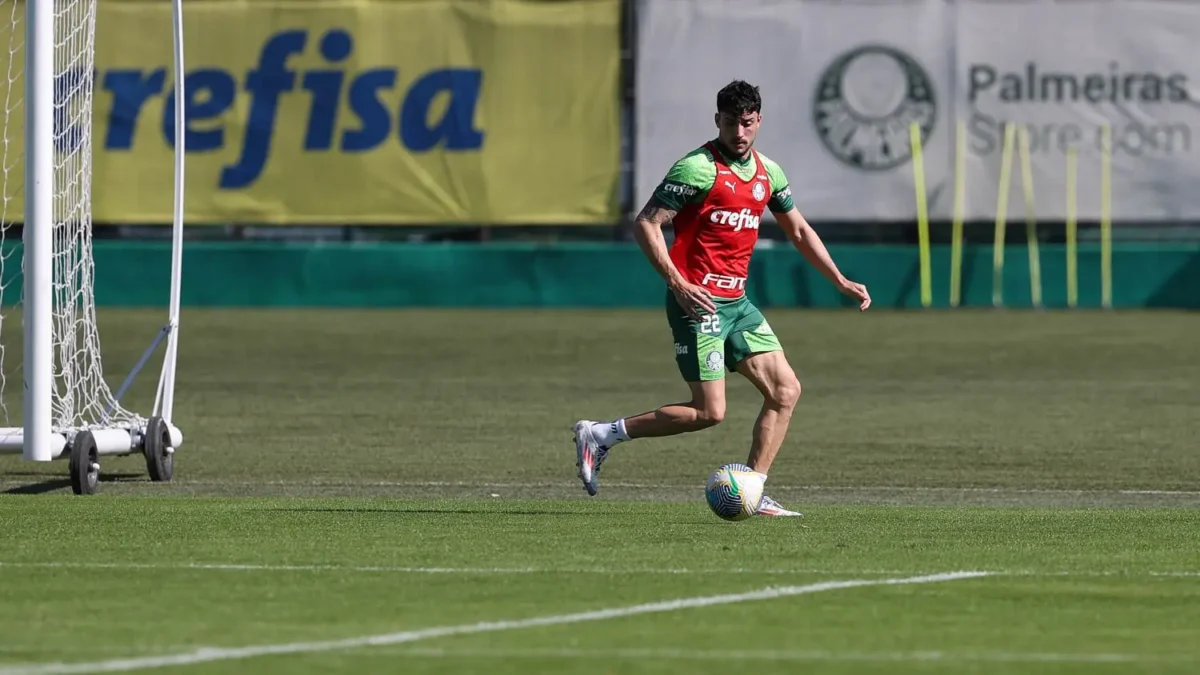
(695, 300)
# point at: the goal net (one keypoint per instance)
(80, 396)
(49, 340)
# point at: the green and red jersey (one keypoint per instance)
(719, 204)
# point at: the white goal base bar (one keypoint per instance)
(112, 442)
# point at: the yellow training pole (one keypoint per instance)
(956, 235)
(1072, 232)
(922, 213)
(1106, 217)
(1001, 218)
(1031, 242)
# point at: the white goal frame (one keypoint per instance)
(37, 440)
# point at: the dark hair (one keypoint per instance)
(738, 98)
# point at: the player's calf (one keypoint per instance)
(705, 410)
(677, 418)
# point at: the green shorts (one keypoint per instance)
(704, 348)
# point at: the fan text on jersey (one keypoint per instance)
(724, 281)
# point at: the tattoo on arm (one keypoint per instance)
(656, 213)
(652, 242)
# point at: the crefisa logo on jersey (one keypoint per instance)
(685, 191)
(744, 219)
(759, 192)
(866, 99)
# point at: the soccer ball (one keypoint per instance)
(734, 492)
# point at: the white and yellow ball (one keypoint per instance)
(734, 492)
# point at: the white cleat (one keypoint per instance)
(589, 455)
(770, 507)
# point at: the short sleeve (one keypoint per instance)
(688, 181)
(781, 192)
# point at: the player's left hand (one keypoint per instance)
(858, 292)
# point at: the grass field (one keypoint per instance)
(395, 492)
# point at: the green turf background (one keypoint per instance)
(335, 458)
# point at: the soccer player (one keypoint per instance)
(714, 197)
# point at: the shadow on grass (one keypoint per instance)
(498, 510)
(50, 484)
(448, 511)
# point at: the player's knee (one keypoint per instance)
(787, 393)
(710, 415)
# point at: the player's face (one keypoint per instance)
(737, 133)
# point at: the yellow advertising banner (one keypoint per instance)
(361, 111)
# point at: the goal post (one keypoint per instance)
(68, 409)
(37, 250)
(167, 386)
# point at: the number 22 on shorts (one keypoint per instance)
(710, 324)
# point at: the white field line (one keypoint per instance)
(209, 655)
(468, 571)
(686, 486)
(788, 655)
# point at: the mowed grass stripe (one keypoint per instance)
(210, 655)
(600, 570)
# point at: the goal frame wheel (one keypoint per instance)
(160, 456)
(85, 464)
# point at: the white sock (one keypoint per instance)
(762, 476)
(609, 434)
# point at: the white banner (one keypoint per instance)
(840, 83)
(1065, 71)
(842, 80)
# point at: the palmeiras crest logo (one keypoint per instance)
(759, 192)
(714, 360)
(865, 102)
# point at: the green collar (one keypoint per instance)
(733, 160)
